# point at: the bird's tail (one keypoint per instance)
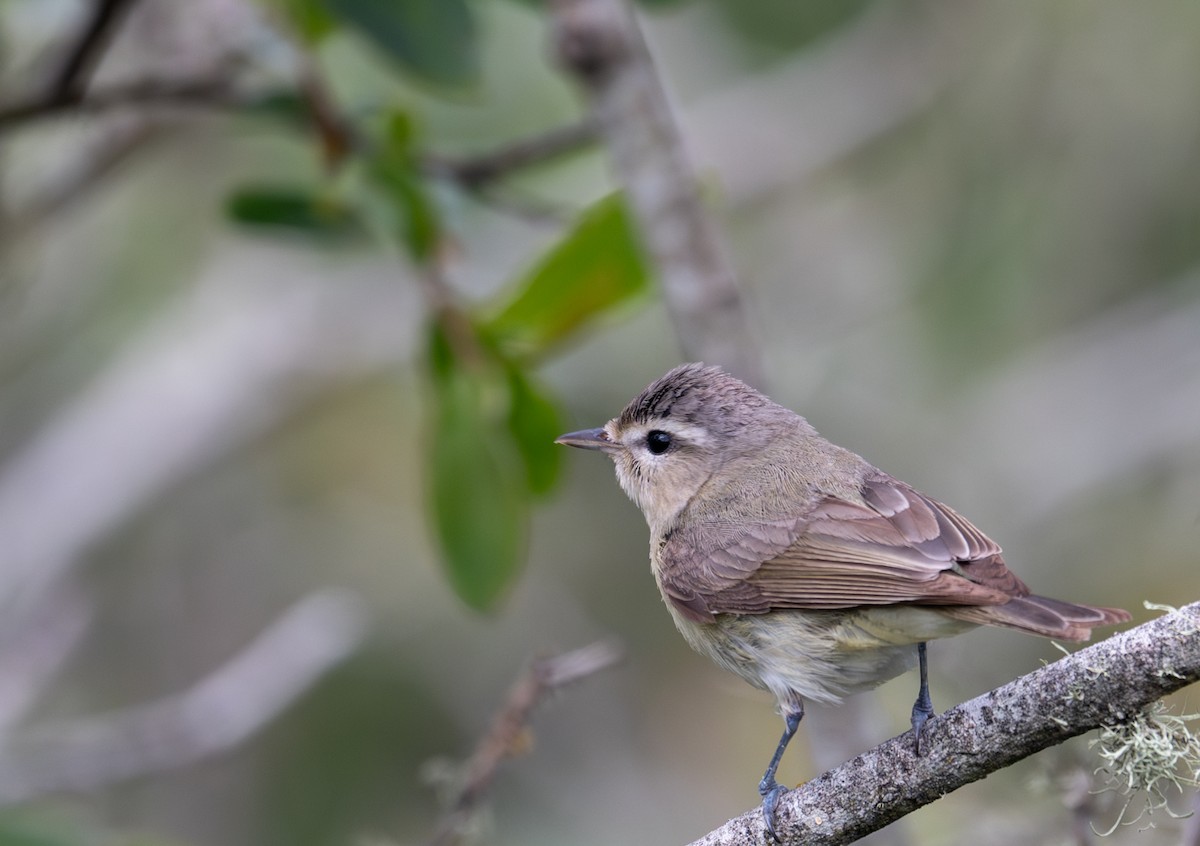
(1041, 615)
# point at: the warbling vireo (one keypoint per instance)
(796, 564)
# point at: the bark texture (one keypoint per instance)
(1104, 684)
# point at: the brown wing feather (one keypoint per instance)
(897, 545)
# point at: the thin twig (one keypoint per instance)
(214, 715)
(503, 736)
(1103, 684)
(88, 48)
(214, 91)
(476, 171)
(334, 131)
(534, 210)
(481, 174)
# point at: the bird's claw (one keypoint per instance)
(770, 793)
(921, 713)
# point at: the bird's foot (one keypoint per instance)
(923, 707)
(770, 791)
(921, 712)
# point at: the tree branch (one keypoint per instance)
(476, 171)
(1104, 684)
(214, 715)
(35, 649)
(228, 361)
(503, 736)
(600, 44)
(88, 48)
(213, 91)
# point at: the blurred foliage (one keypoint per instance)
(21, 830)
(392, 171)
(598, 266)
(433, 39)
(479, 498)
(294, 210)
(491, 415)
(493, 426)
(782, 26)
(1040, 192)
(340, 755)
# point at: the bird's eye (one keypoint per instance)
(658, 442)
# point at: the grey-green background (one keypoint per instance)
(968, 234)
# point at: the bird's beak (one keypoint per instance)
(586, 439)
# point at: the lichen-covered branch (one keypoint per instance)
(1103, 684)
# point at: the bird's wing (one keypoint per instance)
(897, 545)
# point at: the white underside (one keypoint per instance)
(822, 656)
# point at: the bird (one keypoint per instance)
(795, 563)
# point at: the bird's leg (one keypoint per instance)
(922, 709)
(769, 789)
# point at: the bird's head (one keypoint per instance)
(670, 440)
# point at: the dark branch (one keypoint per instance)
(476, 171)
(1105, 684)
(87, 49)
(211, 92)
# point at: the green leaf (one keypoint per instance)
(597, 266)
(434, 39)
(535, 421)
(407, 212)
(480, 507)
(41, 827)
(442, 363)
(308, 17)
(291, 209)
(400, 133)
(416, 220)
(283, 106)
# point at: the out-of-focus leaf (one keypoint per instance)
(416, 219)
(30, 838)
(441, 356)
(291, 209)
(597, 266)
(788, 26)
(400, 131)
(282, 106)
(393, 171)
(480, 507)
(337, 764)
(535, 422)
(540, 5)
(18, 828)
(434, 39)
(308, 17)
